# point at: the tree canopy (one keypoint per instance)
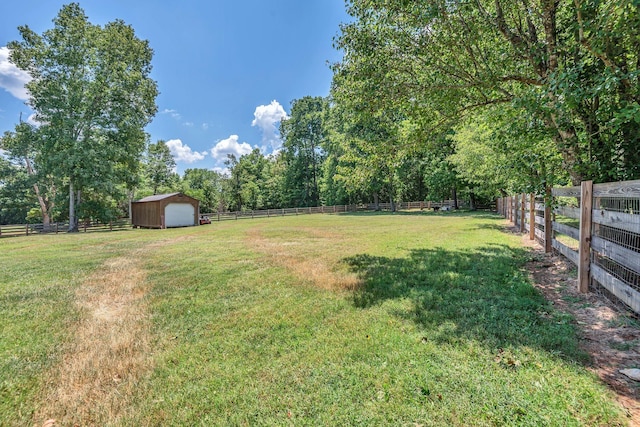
(92, 95)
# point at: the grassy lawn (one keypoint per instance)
(355, 319)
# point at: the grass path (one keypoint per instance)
(110, 349)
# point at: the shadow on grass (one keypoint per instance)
(480, 294)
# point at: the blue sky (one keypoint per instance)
(227, 70)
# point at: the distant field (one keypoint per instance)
(354, 319)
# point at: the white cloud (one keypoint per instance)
(183, 153)
(188, 124)
(205, 126)
(12, 79)
(32, 120)
(222, 171)
(266, 117)
(172, 113)
(230, 146)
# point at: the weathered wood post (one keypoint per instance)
(532, 216)
(548, 229)
(26, 227)
(522, 206)
(584, 251)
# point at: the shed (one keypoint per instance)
(165, 211)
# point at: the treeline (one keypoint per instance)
(436, 100)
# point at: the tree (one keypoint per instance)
(205, 185)
(303, 136)
(92, 92)
(21, 146)
(159, 165)
(572, 66)
(16, 196)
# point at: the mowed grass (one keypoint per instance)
(360, 319)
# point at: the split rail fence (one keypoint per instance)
(595, 226)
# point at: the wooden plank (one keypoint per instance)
(522, 209)
(621, 290)
(565, 250)
(539, 220)
(625, 189)
(623, 256)
(532, 216)
(621, 220)
(548, 229)
(568, 212)
(539, 234)
(566, 192)
(586, 208)
(566, 229)
(539, 206)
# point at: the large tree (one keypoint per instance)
(93, 96)
(303, 137)
(571, 65)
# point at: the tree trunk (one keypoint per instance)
(44, 208)
(73, 220)
(454, 195)
(376, 202)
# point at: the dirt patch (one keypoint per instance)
(608, 333)
(110, 351)
(291, 255)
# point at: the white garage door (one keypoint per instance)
(179, 215)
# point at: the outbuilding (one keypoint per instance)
(165, 211)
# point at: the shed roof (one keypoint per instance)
(157, 197)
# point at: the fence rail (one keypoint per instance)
(267, 213)
(16, 230)
(596, 226)
(91, 226)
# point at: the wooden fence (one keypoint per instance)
(596, 226)
(61, 227)
(266, 213)
(90, 226)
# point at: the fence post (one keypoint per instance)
(26, 227)
(548, 228)
(110, 226)
(584, 252)
(532, 216)
(522, 207)
(218, 216)
(0, 231)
